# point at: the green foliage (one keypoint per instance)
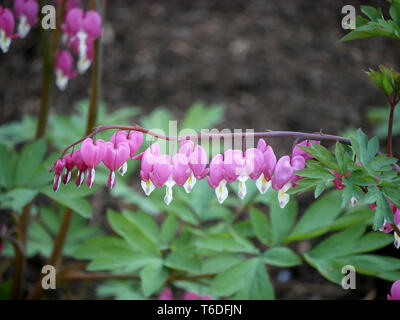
(379, 117)
(375, 24)
(366, 178)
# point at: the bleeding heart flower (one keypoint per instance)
(69, 165)
(27, 12)
(92, 153)
(147, 165)
(6, 28)
(115, 156)
(63, 69)
(394, 291)
(81, 166)
(60, 165)
(264, 181)
(216, 179)
(281, 180)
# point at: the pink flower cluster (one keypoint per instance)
(186, 166)
(114, 154)
(26, 11)
(80, 30)
(166, 294)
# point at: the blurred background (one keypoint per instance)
(275, 65)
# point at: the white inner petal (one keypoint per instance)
(148, 187)
(61, 80)
(242, 189)
(262, 184)
(189, 184)
(23, 27)
(123, 168)
(168, 195)
(4, 41)
(283, 197)
(221, 191)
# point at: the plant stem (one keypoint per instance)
(95, 80)
(390, 130)
(56, 253)
(47, 77)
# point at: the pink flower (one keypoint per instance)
(134, 140)
(338, 182)
(81, 166)
(394, 291)
(84, 28)
(198, 160)
(162, 170)
(69, 5)
(299, 152)
(263, 183)
(216, 179)
(63, 69)
(147, 165)
(60, 165)
(180, 169)
(282, 179)
(166, 294)
(6, 28)
(297, 163)
(115, 156)
(69, 165)
(234, 164)
(92, 153)
(27, 12)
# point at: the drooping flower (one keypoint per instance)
(85, 27)
(166, 294)
(92, 153)
(263, 183)
(63, 69)
(80, 165)
(253, 165)
(394, 291)
(69, 5)
(27, 13)
(69, 165)
(85, 58)
(197, 161)
(281, 180)
(115, 156)
(6, 28)
(59, 168)
(147, 165)
(216, 178)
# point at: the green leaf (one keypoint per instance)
(200, 116)
(225, 242)
(119, 289)
(8, 162)
(246, 280)
(350, 241)
(372, 13)
(318, 217)
(29, 160)
(183, 261)
(80, 206)
(17, 198)
(131, 233)
(281, 257)
(282, 220)
(145, 223)
(261, 226)
(168, 228)
(153, 277)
